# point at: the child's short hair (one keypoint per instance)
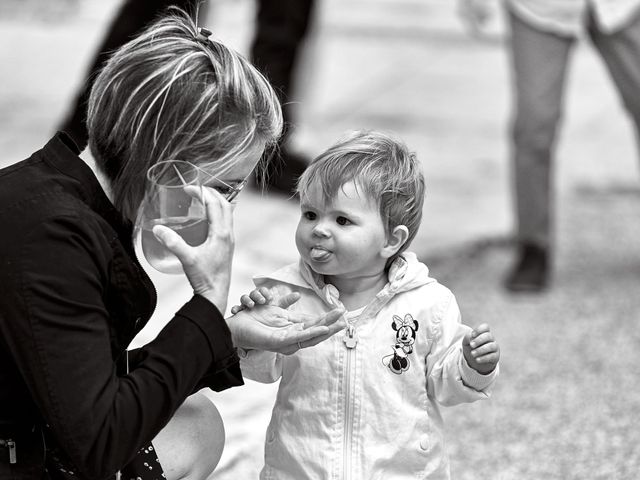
(171, 94)
(379, 164)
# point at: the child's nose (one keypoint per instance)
(321, 230)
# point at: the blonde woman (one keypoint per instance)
(73, 404)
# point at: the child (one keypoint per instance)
(364, 404)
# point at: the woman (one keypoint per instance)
(72, 401)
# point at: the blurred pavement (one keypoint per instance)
(409, 67)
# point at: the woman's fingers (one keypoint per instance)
(298, 339)
(208, 265)
(311, 336)
(219, 216)
(325, 326)
(306, 337)
(195, 192)
(172, 241)
(308, 320)
(271, 328)
(219, 211)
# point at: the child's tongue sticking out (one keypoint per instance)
(320, 254)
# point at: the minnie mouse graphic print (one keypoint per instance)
(405, 329)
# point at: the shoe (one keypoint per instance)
(282, 173)
(531, 272)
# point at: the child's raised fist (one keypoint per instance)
(480, 349)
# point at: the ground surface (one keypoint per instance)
(566, 403)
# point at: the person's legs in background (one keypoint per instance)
(132, 17)
(621, 53)
(281, 27)
(539, 64)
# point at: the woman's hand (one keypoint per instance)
(481, 350)
(273, 328)
(208, 265)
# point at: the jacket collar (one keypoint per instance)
(62, 154)
(406, 273)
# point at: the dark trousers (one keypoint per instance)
(281, 25)
(540, 60)
(133, 17)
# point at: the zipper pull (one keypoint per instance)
(11, 445)
(350, 338)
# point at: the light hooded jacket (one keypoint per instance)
(569, 17)
(365, 405)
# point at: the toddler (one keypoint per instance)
(364, 404)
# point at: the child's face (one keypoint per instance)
(343, 238)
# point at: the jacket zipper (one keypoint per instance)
(11, 445)
(350, 340)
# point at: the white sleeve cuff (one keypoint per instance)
(473, 379)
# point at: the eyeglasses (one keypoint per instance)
(228, 191)
(178, 173)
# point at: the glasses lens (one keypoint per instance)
(227, 190)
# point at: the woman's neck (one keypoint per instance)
(356, 292)
(88, 158)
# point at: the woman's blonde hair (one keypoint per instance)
(170, 94)
(382, 168)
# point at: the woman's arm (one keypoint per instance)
(58, 327)
(260, 365)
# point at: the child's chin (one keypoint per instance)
(322, 268)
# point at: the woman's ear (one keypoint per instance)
(395, 240)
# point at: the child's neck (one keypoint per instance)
(357, 292)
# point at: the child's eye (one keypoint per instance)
(343, 221)
(309, 215)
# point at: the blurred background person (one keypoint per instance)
(408, 66)
(281, 26)
(543, 33)
(131, 19)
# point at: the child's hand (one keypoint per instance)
(481, 350)
(264, 296)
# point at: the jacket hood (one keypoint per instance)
(405, 273)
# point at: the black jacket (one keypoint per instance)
(72, 297)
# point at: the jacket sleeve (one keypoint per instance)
(261, 366)
(450, 380)
(60, 337)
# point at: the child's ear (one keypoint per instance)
(395, 240)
